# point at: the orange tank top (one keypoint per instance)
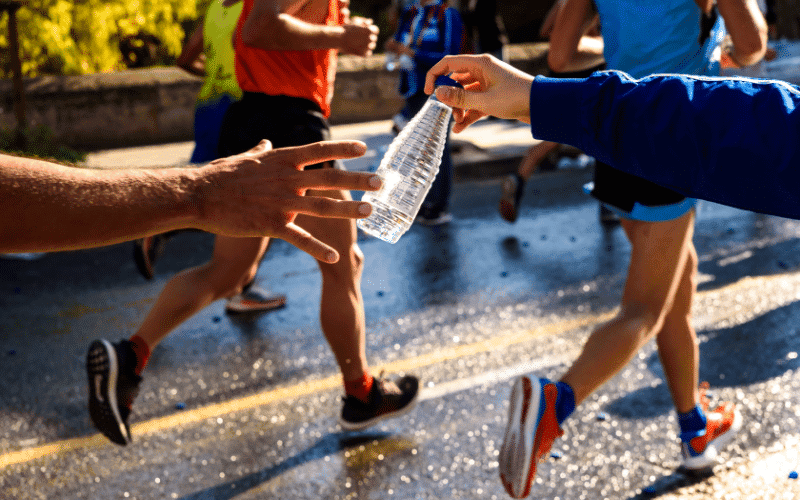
(297, 73)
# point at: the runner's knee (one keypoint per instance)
(641, 321)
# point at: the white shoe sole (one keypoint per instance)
(709, 458)
(109, 397)
(516, 454)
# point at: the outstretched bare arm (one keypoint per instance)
(50, 207)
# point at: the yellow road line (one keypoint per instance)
(298, 390)
(312, 386)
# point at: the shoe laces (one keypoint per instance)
(705, 401)
(387, 387)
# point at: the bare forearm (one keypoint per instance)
(48, 207)
(588, 55)
(570, 49)
(286, 32)
(190, 58)
(747, 28)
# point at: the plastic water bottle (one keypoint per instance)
(408, 169)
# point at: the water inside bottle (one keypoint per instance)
(408, 170)
(386, 222)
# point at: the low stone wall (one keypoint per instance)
(156, 105)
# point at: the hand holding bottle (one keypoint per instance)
(491, 87)
(408, 170)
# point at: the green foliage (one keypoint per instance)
(38, 142)
(73, 37)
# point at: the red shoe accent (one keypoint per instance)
(142, 351)
(360, 387)
(547, 432)
(718, 422)
(528, 437)
(722, 424)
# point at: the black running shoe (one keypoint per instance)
(113, 385)
(387, 399)
(145, 252)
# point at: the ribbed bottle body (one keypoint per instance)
(408, 170)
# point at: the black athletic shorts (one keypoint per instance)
(283, 120)
(631, 197)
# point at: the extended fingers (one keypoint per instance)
(319, 206)
(328, 179)
(303, 240)
(323, 151)
(262, 147)
(466, 119)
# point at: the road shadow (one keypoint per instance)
(756, 351)
(329, 444)
(671, 483)
(102, 267)
(749, 261)
(434, 261)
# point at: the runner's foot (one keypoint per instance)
(513, 187)
(113, 385)
(387, 399)
(722, 423)
(145, 252)
(255, 299)
(427, 219)
(532, 427)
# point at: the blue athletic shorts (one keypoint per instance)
(207, 124)
(635, 198)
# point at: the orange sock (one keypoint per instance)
(142, 351)
(360, 387)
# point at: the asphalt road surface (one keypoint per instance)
(245, 407)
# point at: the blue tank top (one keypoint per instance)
(644, 37)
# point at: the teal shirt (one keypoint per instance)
(644, 37)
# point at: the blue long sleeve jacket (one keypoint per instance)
(733, 141)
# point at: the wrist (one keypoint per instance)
(522, 112)
(191, 191)
(336, 37)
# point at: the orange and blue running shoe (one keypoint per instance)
(722, 423)
(532, 427)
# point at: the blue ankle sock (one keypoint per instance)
(565, 403)
(692, 423)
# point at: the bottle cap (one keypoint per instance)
(446, 80)
(442, 80)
